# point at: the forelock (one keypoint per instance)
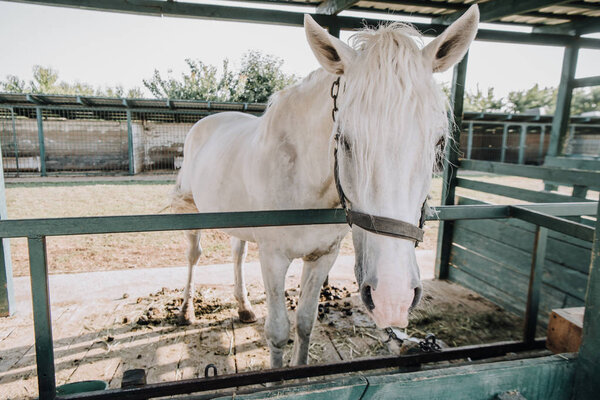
(388, 95)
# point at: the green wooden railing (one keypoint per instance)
(36, 231)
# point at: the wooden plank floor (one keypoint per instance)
(100, 340)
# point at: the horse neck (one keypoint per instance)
(299, 120)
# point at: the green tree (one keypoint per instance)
(45, 81)
(482, 102)
(202, 82)
(520, 101)
(258, 78)
(585, 100)
(13, 85)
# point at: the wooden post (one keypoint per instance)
(535, 283)
(562, 112)
(587, 384)
(504, 139)
(130, 143)
(542, 139)
(444, 245)
(7, 294)
(42, 321)
(522, 143)
(40, 126)
(470, 140)
(560, 122)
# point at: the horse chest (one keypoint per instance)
(309, 242)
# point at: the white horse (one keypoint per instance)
(392, 123)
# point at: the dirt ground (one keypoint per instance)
(155, 249)
(103, 339)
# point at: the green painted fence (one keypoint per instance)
(493, 258)
(546, 378)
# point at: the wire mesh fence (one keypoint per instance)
(59, 139)
(55, 140)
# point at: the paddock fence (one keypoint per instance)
(70, 135)
(544, 217)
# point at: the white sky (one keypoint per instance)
(109, 48)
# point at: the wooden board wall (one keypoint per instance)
(493, 258)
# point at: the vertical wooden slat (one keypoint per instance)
(44, 352)
(40, 126)
(470, 140)
(444, 245)
(535, 283)
(587, 384)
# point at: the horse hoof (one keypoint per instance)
(247, 316)
(184, 319)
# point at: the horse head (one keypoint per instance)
(390, 129)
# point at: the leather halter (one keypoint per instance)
(372, 223)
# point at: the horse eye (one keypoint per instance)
(439, 154)
(441, 143)
(346, 144)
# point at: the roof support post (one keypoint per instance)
(560, 122)
(442, 261)
(334, 28)
(587, 384)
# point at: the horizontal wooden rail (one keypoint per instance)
(12, 228)
(553, 223)
(563, 209)
(587, 81)
(173, 222)
(590, 179)
(517, 193)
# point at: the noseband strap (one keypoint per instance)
(372, 223)
(385, 226)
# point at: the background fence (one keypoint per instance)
(43, 135)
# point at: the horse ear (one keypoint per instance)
(333, 54)
(450, 47)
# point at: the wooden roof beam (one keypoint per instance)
(581, 26)
(496, 9)
(333, 7)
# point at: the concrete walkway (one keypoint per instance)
(66, 289)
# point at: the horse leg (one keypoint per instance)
(274, 266)
(187, 316)
(314, 273)
(239, 248)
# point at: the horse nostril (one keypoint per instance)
(365, 294)
(417, 298)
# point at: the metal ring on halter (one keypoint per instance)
(372, 223)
